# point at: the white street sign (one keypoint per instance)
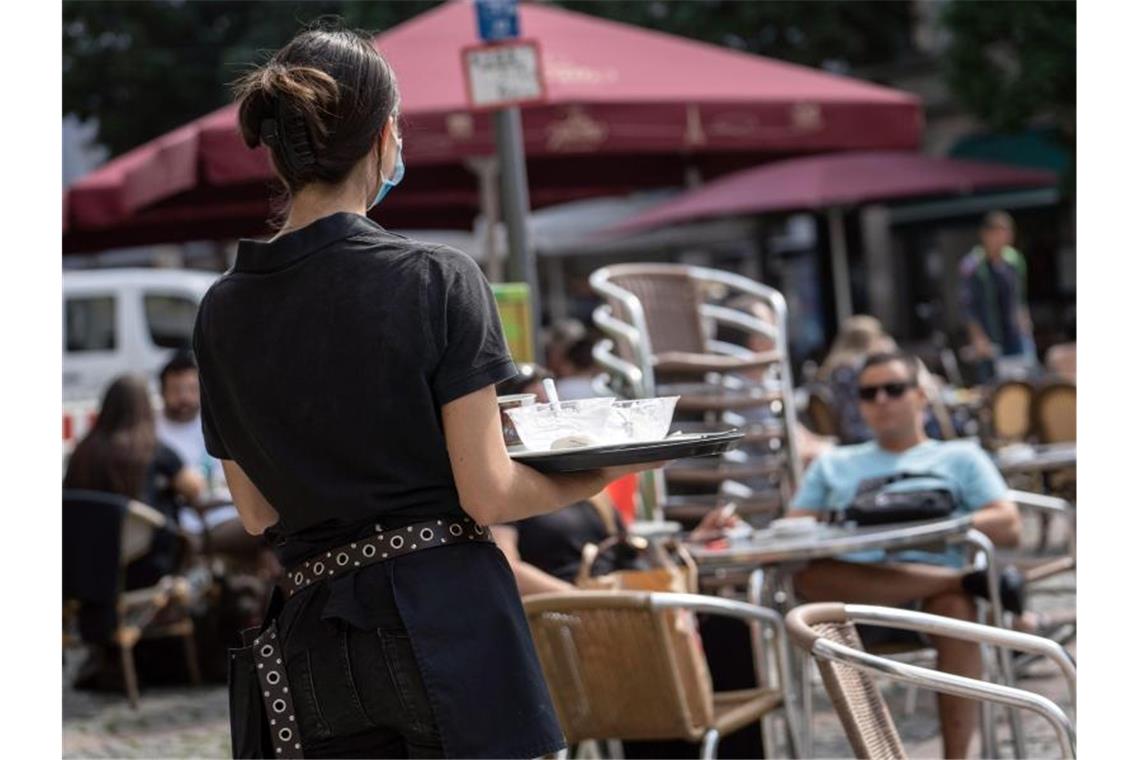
(503, 74)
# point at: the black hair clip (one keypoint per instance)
(268, 132)
(293, 137)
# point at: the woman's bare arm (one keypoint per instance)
(255, 511)
(529, 578)
(495, 489)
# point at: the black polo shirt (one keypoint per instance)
(325, 357)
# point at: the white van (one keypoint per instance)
(124, 320)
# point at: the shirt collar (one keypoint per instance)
(269, 256)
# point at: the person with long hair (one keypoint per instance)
(121, 455)
(116, 453)
(348, 387)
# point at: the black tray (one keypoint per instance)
(594, 457)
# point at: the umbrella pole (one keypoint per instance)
(516, 208)
(840, 273)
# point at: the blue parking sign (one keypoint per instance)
(498, 19)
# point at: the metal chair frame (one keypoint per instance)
(759, 618)
(627, 353)
(801, 619)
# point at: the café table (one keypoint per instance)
(1028, 467)
(770, 558)
(1056, 456)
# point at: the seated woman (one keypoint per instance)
(121, 455)
(545, 552)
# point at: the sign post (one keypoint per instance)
(503, 73)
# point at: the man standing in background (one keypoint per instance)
(993, 293)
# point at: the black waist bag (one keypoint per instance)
(876, 503)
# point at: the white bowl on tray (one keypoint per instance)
(581, 421)
(640, 420)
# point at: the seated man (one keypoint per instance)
(893, 404)
(179, 426)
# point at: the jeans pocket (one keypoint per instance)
(313, 725)
(400, 659)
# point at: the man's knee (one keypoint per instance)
(959, 606)
(813, 582)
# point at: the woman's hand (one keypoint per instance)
(715, 522)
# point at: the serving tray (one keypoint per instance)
(614, 455)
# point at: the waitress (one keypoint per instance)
(347, 378)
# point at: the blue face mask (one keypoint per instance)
(397, 175)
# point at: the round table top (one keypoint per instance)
(764, 547)
(1055, 456)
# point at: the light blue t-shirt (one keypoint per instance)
(833, 480)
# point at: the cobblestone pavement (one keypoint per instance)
(192, 722)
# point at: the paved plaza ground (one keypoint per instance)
(192, 722)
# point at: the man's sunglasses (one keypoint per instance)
(893, 390)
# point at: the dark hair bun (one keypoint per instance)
(318, 105)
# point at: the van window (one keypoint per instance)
(170, 320)
(90, 324)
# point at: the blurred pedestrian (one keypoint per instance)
(348, 386)
(528, 380)
(808, 444)
(559, 338)
(578, 370)
(992, 279)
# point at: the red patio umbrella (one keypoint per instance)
(831, 182)
(627, 108)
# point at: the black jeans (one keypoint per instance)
(357, 692)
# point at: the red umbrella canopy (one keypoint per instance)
(835, 179)
(624, 104)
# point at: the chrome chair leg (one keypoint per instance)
(709, 743)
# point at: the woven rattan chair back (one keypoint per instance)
(857, 699)
(1055, 413)
(1011, 411)
(671, 301)
(618, 669)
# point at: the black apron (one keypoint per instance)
(461, 608)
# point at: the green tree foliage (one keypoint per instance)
(1014, 63)
(144, 68)
(835, 34)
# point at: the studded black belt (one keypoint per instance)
(386, 544)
